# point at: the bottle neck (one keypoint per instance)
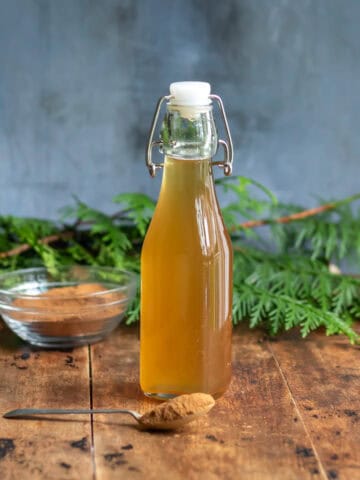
(189, 132)
(189, 140)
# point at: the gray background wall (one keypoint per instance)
(79, 80)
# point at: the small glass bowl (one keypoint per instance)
(83, 314)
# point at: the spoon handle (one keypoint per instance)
(26, 412)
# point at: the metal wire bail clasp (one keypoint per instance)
(226, 163)
(152, 167)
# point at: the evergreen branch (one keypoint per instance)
(290, 312)
(270, 288)
(62, 235)
(136, 214)
(290, 287)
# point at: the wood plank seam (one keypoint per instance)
(92, 447)
(321, 466)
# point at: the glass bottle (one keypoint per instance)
(186, 259)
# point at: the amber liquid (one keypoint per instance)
(186, 287)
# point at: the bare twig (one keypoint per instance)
(298, 215)
(44, 241)
(287, 219)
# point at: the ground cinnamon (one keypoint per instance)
(65, 311)
(180, 409)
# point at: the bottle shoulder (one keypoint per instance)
(186, 232)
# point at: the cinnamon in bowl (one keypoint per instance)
(71, 310)
(63, 314)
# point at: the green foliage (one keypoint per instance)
(331, 234)
(140, 209)
(14, 230)
(282, 291)
(281, 278)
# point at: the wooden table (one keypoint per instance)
(292, 412)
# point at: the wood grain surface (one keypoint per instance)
(43, 449)
(292, 412)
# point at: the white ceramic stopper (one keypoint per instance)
(190, 93)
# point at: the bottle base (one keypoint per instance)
(168, 396)
(161, 396)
